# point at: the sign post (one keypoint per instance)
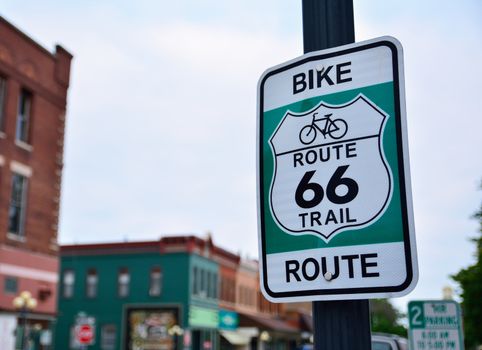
(435, 324)
(334, 200)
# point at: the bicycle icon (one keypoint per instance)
(335, 128)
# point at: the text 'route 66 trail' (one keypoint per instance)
(320, 166)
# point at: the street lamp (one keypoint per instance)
(175, 331)
(265, 336)
(24, 303)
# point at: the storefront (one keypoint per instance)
(33, 331)
(233, 337)
(152, 328)
(203, 329)
(272, 333)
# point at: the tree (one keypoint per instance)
(470, 281)
(385, 318)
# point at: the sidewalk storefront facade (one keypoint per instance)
(164, 295)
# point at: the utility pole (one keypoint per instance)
(343, 324)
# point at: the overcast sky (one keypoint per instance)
(161, 116)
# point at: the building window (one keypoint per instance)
(232, 290)
(209, 287)
(155, 282)
(215, 285)
(212, 284)
(10, 285)
(107, 337)
(91, 282)
(222, 294)
(18, 199)
(204, 284)
(23, 116)
(196, 281)
(68, 283)
(3, 94)
(123, 282)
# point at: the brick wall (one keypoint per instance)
(26, 65)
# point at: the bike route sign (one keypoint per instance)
(435, 324)
(334, 200)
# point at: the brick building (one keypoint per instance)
(33, 94)
(136, 293)
(228, 267)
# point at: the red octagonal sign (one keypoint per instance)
(84, 334)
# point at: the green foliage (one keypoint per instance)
(385, 318)
(470, 281)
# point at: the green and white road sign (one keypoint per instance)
(435, 324)
(334, 200)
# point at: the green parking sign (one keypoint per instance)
(334, 199)
(435, 324)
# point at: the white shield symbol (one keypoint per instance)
(330, 173)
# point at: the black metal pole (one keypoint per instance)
(327, 23)
(344, 324)
(23, 316)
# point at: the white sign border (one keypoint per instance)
(406, 197)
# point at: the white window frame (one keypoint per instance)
(155, 282)
(3, 100)
(91, 283)
(68, 284)
(22, 206)
(123, 283)
(22, 128)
